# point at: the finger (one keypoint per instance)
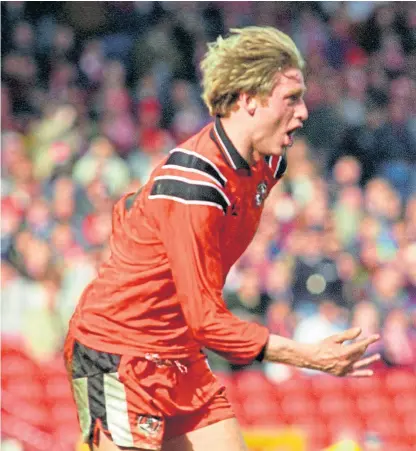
(367, 361)
(362, 345)
(349, 334)
(360, 373)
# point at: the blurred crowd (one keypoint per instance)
(94, 94)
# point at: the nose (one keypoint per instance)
(302, 111)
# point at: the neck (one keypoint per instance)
(234, 128)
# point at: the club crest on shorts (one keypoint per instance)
(261, 193)
(149, 425)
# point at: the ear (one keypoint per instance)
(248, 102)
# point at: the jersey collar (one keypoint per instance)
(234, 159)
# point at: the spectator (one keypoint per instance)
(102, 161)
(248, 302)
(328, 320)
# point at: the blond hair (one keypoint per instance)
(246, 61)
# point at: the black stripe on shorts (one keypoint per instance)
(90, 366)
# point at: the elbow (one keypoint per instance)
(205, 331)
(199, 333)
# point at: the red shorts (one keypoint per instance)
(140, 402)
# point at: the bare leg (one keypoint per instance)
(222, 436)
(105, 444)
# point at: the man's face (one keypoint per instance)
(280, 115)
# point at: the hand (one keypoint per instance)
(334, 357)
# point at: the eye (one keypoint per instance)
(294, 98)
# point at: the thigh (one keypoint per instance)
(222, 436)
(105, 444)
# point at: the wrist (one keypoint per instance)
(290, 352)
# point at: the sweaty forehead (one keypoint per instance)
(292, 76)
(290, 81)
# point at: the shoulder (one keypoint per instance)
(193, 174)
(191, 178)
(192, 161)
(188, 190)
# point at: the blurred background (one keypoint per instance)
(94, 94)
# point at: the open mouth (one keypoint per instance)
(290, 138)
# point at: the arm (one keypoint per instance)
(191, 236)
(331, 355)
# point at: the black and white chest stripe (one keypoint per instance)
(188, 161)
(186, 190)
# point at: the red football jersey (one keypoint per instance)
(172, 246)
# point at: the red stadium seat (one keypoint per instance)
(317, 434)
(404, 405)
(35, 415)
(58, 389)
(261, 411)
(361, 386)
(65, 438)
(346, 425)
(369, 404)
(55, 366)
(252, 382)
(16, 365)
(32, 438)
(327, 385)
(64, 415)
(400, 445)
(409, 428)
(401, 381)
(25, 389)
(385, 425)
(296, 407)
(330, 405)
(294, 386)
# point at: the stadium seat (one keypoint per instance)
(330, 405)
(385, 425)
(65, 438)
(249, 382)
(409, 429)
(401, 381)
(25, 389)
(294, 386)
(316, 431)
(344, 426)
(16, 365)
(404, 405)
(327, 385)
(369, 404)
(34, 415)
(261, 412)
(357, 387)
(31, 437)
(400, 445)
(55, 366)
(58, 389)
(298, 407)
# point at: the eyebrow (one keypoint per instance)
(297, 91)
